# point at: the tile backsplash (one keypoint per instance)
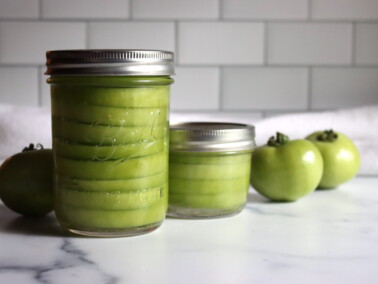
(259, 56)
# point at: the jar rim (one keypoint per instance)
(211, 137)
(130, 62)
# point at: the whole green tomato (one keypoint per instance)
(340, 156)
(26, 182)
(286, 170)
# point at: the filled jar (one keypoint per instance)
(209, 168)
(110, 126)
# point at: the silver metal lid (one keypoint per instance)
(131, 62)
(211, 137)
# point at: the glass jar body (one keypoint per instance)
(208, 185)
(110, 145)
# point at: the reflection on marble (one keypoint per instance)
(330, 236)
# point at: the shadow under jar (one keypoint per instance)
(110, 123)
(209, 169)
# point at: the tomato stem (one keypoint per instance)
(31, 147)
(281, 139)
(327, 136)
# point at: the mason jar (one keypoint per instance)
(209, 168)
(110, 126)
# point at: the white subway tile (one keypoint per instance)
(367, 44)
(309, 43)
(265, 88)
(84, 9)
(27, 42)
(221, 43)
(175, 9)
(19, 85)
(345, 9)
(24, 9)
(144, 35)
(344, 87)
(265, 9)
(195, 89)
(44, 88)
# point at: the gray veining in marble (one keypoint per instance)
(327, 237)
(70, 263)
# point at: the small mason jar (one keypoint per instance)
(110, 112)
(209, 169)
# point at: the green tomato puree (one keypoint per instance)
(208, 184)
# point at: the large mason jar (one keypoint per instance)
(110, 126)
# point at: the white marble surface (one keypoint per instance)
(328, 237)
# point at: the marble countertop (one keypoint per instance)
(330, 236)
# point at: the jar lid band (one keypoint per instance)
(211, 137)
(131, 62)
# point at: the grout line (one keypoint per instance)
(309, 10)
(46, 20)
(220, 10)
(261, 20)
(86, 27)
(309, 88)
(40, 10)
(198, 20)
(265, 42)
(354, 44)
(131, 16)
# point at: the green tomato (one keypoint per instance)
(26, 182)
(286, 170)
(340, 156)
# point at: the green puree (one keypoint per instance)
(110, 143)
(208, 184)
